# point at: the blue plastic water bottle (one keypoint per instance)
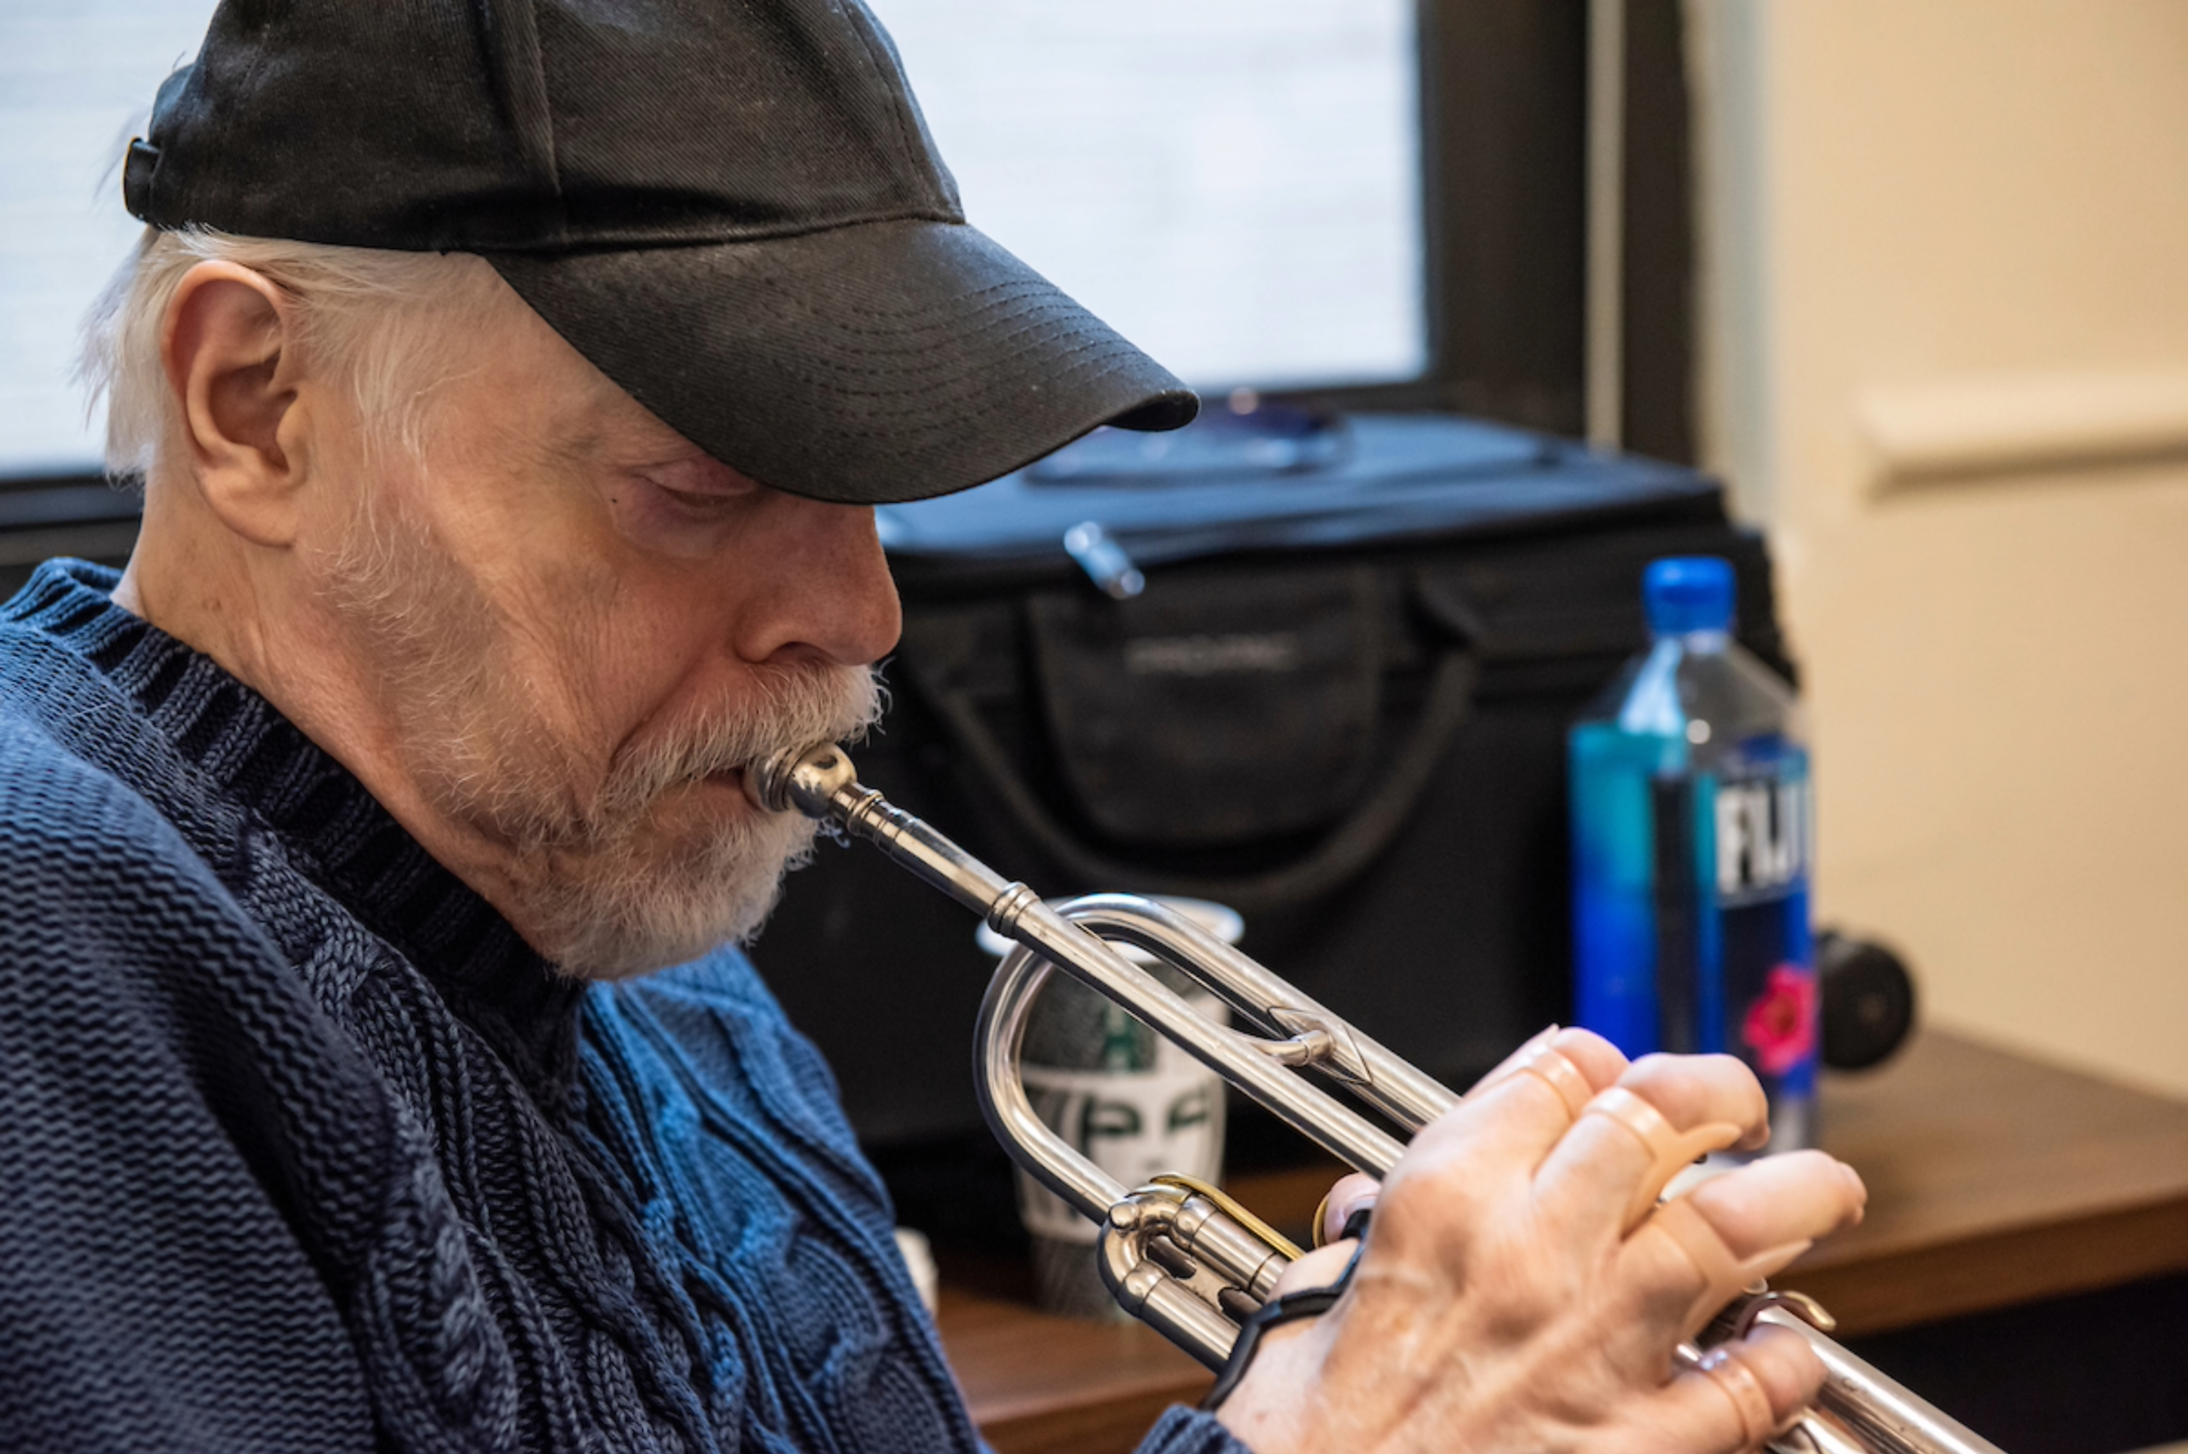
(1691, 844)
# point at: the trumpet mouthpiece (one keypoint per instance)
(804, 780)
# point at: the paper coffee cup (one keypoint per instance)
(1129, 1100)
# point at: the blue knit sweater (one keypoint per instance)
(302, 1148)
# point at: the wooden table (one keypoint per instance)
(1993, 1181)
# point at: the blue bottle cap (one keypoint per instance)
(1686, 593)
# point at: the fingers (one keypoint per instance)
(1351, 1194)
(1516, 1113)
(1738, 1395)
(1570, 1064)
(1319, 1268)
(1505, 1241)
(1693, 1089)
(1790, 1197)
(1481, 1156)
(1697, 1253)
(1596, 1058)
(1332, 1249)
(1612, 1165)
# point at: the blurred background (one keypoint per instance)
(1944, 363)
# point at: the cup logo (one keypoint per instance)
(1133, 1124)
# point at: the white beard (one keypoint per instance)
(593, 884)
(602, 910)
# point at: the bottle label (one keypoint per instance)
(1691, 905)
(1757, 830)
(1762, 838)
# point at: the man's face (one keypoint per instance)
(580, 627)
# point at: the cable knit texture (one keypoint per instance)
(303, 1148)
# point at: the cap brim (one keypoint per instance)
(868, 364)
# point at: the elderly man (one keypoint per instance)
(512, 382)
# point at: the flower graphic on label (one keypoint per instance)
(1781, 1024)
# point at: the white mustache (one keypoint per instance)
(792, 707)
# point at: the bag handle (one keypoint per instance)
(1347, 849)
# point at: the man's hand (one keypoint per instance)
(1515, 1296)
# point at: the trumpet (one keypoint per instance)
(1180, 1255)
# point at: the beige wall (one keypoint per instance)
(1946, 249)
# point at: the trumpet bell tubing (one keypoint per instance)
(1182, 1256)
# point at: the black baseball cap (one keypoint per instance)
(732, 207)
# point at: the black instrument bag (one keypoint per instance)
(1338, 705)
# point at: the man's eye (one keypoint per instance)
(708, 503)
(705, 502)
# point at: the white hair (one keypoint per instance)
(386, 325)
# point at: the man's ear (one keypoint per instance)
(229, 348)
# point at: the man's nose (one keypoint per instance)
(823, 585)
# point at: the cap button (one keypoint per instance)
(137, 172)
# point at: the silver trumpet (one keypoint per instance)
(1180, 1255)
